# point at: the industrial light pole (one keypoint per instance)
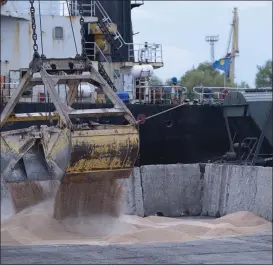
(212, 40)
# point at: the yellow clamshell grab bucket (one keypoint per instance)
(67, 152)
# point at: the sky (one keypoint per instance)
(181, 27)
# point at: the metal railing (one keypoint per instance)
(145, 53)
(38, 94)
(213, 94)
(88, 9)
(159, 94)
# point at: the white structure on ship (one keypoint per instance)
(58, 42)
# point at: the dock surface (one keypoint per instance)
(251, 249)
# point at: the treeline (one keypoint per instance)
(205, 75)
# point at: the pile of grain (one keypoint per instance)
(90, 213)
(35, 225)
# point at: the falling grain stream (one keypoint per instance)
(71, 200)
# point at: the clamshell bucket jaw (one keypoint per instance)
(67, 152)
(35, 154)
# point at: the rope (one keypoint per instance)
(162, 112)
(76, 48)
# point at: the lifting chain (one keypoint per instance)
(33, 25)
(82, 29)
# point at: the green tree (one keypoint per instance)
(204, 75)
(264, 75)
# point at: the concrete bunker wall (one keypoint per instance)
(211, 189)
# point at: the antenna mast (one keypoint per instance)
(212, 40)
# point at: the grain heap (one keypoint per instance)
(35, 225)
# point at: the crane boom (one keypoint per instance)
(233, 40)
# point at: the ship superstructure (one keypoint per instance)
(122, 63)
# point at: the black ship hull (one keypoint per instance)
(188, 134)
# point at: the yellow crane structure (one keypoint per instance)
(233, 46)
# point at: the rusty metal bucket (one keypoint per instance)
(109, 153)
(89, 155)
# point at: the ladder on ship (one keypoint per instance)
(103, 24)
(115, 39)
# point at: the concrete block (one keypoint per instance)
(231, 188)
(263, 201)
(242, 189)
(133, 197)
(171, 189)
(216, 182)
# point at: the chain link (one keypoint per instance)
(82, 28)
(33, 25)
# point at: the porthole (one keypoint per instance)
(58, 33)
